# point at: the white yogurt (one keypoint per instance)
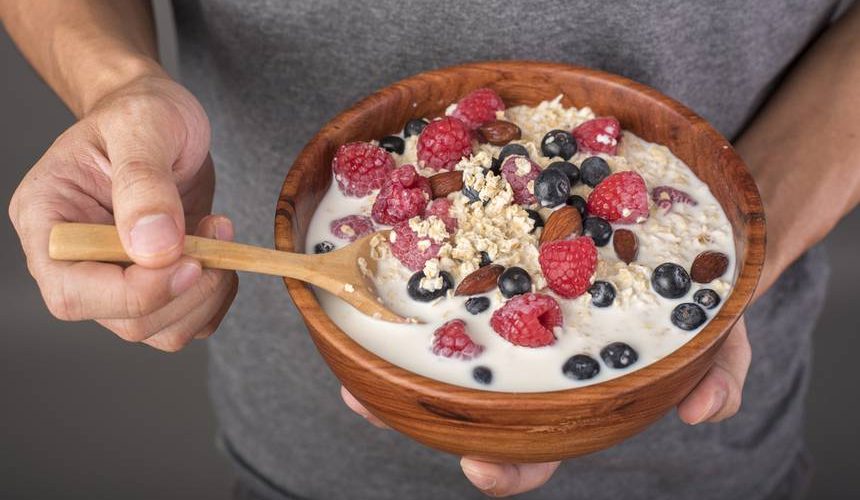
(638, 317)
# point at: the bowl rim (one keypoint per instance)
(741, 295)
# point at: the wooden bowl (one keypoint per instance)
(525, 427)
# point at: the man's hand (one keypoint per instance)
(137, 159)
(717, 397)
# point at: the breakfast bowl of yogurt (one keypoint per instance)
(571, 248)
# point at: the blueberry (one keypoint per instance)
(495, 167)
(414, 127)
(598, 229)
(512, 149)
(470, 193)
(580, 367)
(558, 143)
(670, 280)
(578, 202)
(413, 287)
(392, 144)
(533, 215)
(483, 375)
(593, 170)
(552, 187)
(602, 293)
(485, 259)
(477, 305)
(569, 169)
(514, 281)
(706, 298)
(618, 355)
(688, 316)
(323, 247)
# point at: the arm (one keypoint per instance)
(137, 157)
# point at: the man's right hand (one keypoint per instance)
(138, 159)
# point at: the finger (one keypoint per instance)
(359, 408)
(718, 396)
(500, 480)
(215, 322)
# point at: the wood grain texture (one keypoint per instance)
(530, 427)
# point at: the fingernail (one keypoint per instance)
(717, 402)
(478, 478)
(154, 235)
(223, 230)
(184, 277)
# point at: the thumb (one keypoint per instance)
(147, 208)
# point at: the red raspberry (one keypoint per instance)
(405, 247)
(361, 167)
(568, 265)
(443, 143)
(351, 227)
(621, 198)
(520, 182)
(600, 135)
(403, 196)
(441, 207)
(478, 107)
(527, 320)
(452, 341)
(665, 197)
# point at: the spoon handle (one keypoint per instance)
(98, 242)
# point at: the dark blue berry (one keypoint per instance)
(688, 316)
(470, 193)
(323, 247)
(569, 169)
(558, 143)
(581, 367)
(598, 229)
(392, 144)
(413, 287)
(670, 280)
(477, 305)
(414, 127)
(602, 293)
(496, 167)
(593, 170)
(577, 202)
(483, 375)
(512, 149)
(485, 259)
(706, 298)
(618, 355)
(533, 215)
(514, 281)
(552, 187)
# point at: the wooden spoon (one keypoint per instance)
(337, 272)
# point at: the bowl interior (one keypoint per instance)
(640, 109)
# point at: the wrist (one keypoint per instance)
(115, 72)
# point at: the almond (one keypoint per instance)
(626, 245)
(480, 281)
(445, 183)
(561, 224)
(708, 266)
(499, 132)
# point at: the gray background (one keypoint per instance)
(85, 415)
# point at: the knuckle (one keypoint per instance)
(62, 302)
(132, 330)
(139, 305)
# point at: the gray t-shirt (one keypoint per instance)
(271, 73)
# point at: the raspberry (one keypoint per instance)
(665, 197)
(600, 135)
(568, 265)
(441, 207)
(452, 341)
(351, 227)
(519, 171)
(443, 143)
(621, 198)
(478, 107)
(406, 249)
(403, 196)
(361, 167)
(527, 320)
